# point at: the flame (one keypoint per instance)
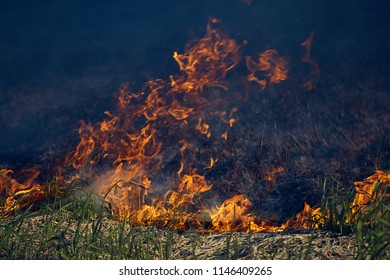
(231, 122)
(233, 215)
(161, 108)
(270, 65)
(270, 177)
(315, 69)
(125, 151)
(308, 218)
(129, 145)
(203, 128)
(86, 146)
(179, 112)
(171, 107)
(206, 61)
(18, 195)
(367, 192)
(170, 209)
(212, 162)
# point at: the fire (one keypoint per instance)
(367, 192)
(18, 195)
(86, 146)
(231, 122)
(170, 209)
(270, 177)
(206, 61)
(270, 66)
(180, 106)
(132, 138)
(308, 218)
(212, 162)
(203, 128)
(233, 215)
(315, 69)
(124, 153)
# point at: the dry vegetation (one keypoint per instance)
(60, 236)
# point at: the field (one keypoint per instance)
(254, 130)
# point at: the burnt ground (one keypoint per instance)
(64, 62)
(314, 137)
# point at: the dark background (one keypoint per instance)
(63, 61)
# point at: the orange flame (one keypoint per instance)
(367, 192)
(270, 65)
(130, 140)
(231, 122)
(212, 162)
(206, 61)
(203, 128)
(165, 106)
(128, 143)
(315, 69)
(17, 195)
(270, 178)
(233, 215)
(308, 218)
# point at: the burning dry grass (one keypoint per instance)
(80, 228)
(202, 130)
(359, 206)
(124, 153)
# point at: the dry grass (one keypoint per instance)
(61, 236)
